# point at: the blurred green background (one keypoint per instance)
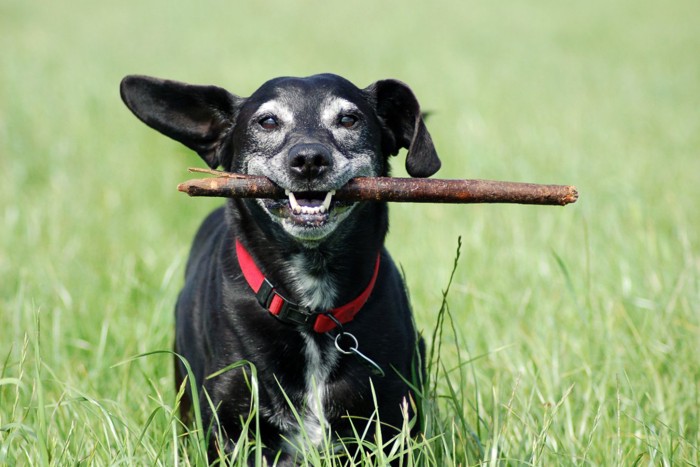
(585, 318)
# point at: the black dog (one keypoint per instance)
(302, 288)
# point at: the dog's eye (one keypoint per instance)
(347, 121)
(268, 123)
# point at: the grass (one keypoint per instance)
(569, 336)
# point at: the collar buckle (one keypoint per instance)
(266, 294)
(295, 314)
(281, 308)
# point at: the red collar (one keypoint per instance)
(292, 313)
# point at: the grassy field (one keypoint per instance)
(570, 335)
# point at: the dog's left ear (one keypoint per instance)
(403, 126)
(200, 117)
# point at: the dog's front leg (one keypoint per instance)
(219, 445)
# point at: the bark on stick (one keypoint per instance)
(406, 190)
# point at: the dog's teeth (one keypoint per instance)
(310, 210)
(299, 209)
(327, 201)
(293, 202)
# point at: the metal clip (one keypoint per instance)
(370, 364)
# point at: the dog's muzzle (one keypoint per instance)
(310, 212)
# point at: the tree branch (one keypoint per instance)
(407, 190)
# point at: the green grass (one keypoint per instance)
(569, 336)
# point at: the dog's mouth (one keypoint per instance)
(310, 203)
(308, 215)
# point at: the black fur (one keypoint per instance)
(218, 319)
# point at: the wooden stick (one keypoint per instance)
(413, 190)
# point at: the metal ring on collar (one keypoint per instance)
(353, 348)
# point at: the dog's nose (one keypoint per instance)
(309, 160)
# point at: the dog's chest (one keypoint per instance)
(312, 282)
(320, 360)
(316, 291)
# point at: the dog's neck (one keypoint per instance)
(313, 280)
(323, 276)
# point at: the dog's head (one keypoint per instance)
(308, 135)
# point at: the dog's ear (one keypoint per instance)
(403, 126)
(200, 117)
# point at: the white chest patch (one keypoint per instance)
(317, 371)
(317, 292)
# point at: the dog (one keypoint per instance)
(301, 288)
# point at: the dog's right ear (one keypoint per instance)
(200, 117)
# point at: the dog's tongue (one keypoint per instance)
(309, 199)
